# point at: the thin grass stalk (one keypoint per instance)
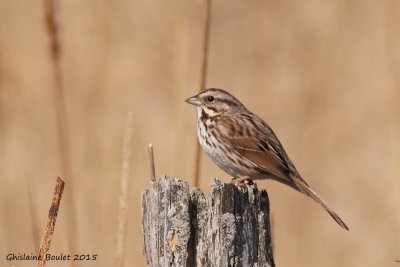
(119, 255)
(51, 222)
(203, 79)
(50, 15)
(151, 163)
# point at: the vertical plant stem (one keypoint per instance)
(51, 222)
(50, 15)
(119, 255)
(203, 79)
(151, 162)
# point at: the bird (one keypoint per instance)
(245, 146)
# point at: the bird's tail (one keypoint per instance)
(303, 187)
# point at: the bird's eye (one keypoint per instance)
(210, 99)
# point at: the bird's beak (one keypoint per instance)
(194, 100)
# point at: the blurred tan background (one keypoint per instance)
(324, 74)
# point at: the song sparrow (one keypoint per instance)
(244, 146)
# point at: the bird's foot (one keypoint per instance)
(242, 181)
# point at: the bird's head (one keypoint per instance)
(215, 102)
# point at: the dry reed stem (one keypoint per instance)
(50, 15)
(52, 27)
(203, 79)
(51, 222)
(151, 162)
(119, 255)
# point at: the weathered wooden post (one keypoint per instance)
(182, 227)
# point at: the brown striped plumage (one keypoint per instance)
(242, 144)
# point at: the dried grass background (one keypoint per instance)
(324, 74)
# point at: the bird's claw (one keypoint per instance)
(242, 182)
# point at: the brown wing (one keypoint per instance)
(258, 145)
(263, 158)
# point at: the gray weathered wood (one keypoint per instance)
(182, 227)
